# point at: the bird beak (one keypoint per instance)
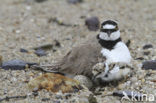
(109, 33)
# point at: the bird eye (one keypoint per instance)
(104, 30)
(106, 75)
(108, 30)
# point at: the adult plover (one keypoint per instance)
(115, 52)
(107, 48)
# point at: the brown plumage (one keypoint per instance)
(81, 59)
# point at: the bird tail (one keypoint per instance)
(52, 68)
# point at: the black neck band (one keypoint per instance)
(108, 44)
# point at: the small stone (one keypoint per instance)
(39, 1)
(35, 93)
(83, 100)
(57, 43)
(75, 1)
(45, 99)
(151, 64)
(92, 23)
(139, 58)
(16, 64)
(23, 50)
(121, 86)
(146, 53)
(40, 52)
(58, 97)
(134, 79)
(143, 80)
(56, 102)
(147, 46)
(67, 96)
(84, 81)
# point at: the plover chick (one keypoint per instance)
(116, 71)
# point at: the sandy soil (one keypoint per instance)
(24, 24)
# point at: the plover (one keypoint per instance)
(107, 48)
(115, 52)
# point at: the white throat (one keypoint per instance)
(113, 36)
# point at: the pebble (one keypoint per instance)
(56, 102)
(121, 86)
(39, 1)
(16, 64)
(92, 23)
(57, 43)
(75, 1)
(58, 97)
(84, 81)
(40, 52)
(134, 79)
(146, 53)
(147, 46)
(45, 99)
(151, 64)
(23, 50)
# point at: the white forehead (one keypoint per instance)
(108, 26)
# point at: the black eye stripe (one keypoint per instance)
(108, 30)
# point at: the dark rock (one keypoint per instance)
(148, 74)
(151, 64)
(44, 47)
(128, 94)
(75, 1)
(67, 96)
(147, 46)
(82, 17)
(45, 99)
(35, 93)
(146, 53)
(23, 50)
(54, 50)
(58, 97)
(57, 43)
(39, 1)
(139, 58)
(56, 102)
(40, 52)
(92, 23)
(16, 64)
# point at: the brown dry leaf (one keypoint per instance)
(54, 82)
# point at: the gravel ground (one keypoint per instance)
(26, 24)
